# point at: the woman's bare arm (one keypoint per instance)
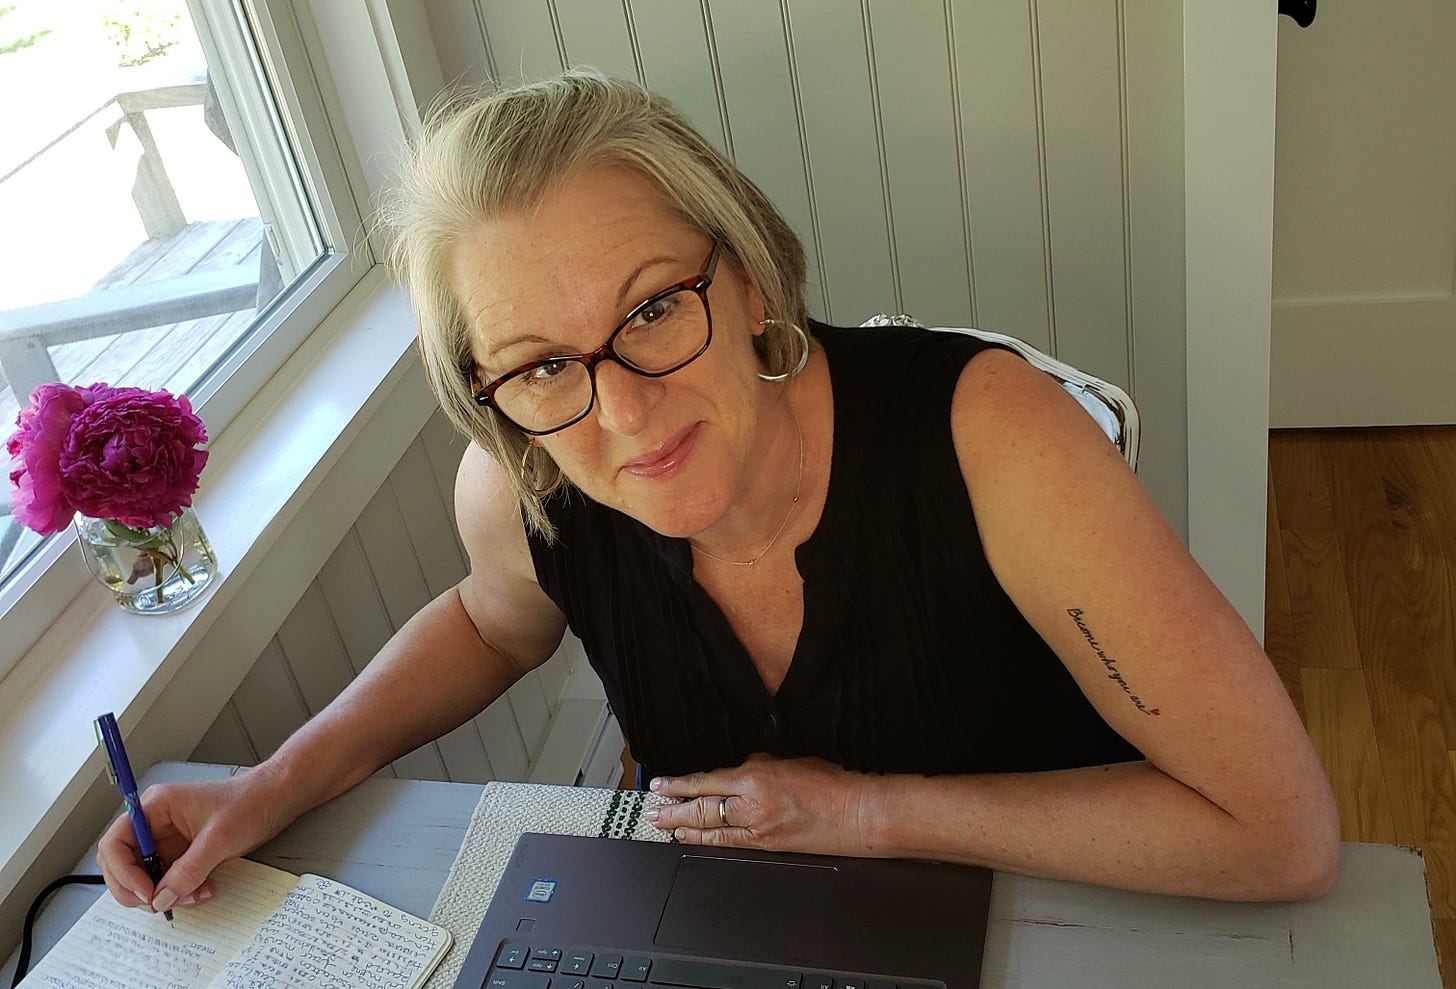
(1231, 801)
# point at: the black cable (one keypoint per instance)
(22, 965)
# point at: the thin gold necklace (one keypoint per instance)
(798, 488)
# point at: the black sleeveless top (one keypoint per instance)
(911, 659)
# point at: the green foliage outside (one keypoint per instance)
(142, 29)
(6, 47)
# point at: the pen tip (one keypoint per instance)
(168, 915)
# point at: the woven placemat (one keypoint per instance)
(505, 812)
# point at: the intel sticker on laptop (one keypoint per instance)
(541, 890)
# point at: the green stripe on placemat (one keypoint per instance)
(624, 810)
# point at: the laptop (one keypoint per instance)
(605, 913)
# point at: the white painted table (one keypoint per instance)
(396, 840)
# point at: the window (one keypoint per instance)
(176, 213)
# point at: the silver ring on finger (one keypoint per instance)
(723, 811)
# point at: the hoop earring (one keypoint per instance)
(803, 357)
(528, 474)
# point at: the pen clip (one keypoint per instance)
(110, 772)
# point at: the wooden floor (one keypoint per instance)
(1361, 624)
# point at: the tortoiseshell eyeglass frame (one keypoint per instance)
(484, 395)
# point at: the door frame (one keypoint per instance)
(1230, 57)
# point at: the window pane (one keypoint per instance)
(152, 206)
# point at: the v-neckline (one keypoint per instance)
(814, 626)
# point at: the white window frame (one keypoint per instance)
(35, 596)
(286, 478)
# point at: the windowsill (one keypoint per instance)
(275, 499)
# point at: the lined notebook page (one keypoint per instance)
(328, 936)
(113, 946)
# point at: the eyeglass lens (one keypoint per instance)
(665, 335)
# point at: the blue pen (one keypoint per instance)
(126, 783)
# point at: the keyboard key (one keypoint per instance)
(512, 956)
(577, 963)
(554, 954)
(517, 980)
(716, 975)
(635, 968)
(607, 966)
(599, 984)
(819, 982)
(851, 982)
(569, 983)
(542, 965)
(881, 984)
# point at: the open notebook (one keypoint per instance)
(265, 927)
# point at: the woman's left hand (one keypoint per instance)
(799, 805)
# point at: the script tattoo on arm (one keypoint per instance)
(1113, 673)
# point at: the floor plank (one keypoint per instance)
(1279, 636)
(1319, 602)
(1337, 710)
(1299, 477)
(1375, 503)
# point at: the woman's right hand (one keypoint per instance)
(196, 827)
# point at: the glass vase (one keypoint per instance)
(151, 571)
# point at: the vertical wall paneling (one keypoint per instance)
(269, 702)
(763, 117)
(463, 54)
(1154, 74)
(402, 552)
(917, 114)
(349, 589)
(521, 38)
(426, 521)
(996, 96)
(226, 743)
(672, 45)
(595, 32)
(496, 726)
(402, 589)
(464, 755)
(555, 672)
(444, 447)
(828, 38)
(1080, 85)
(353, 599)
(501, 737)
(392, 559)
(313, 650)
(532, 713)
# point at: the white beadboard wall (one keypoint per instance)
(1015, 165)
(401, 553)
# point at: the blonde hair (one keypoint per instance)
(484, 157)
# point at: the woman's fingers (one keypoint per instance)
(117, 857)
(700, 813)
(730, 837)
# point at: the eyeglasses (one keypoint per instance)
(664, 334)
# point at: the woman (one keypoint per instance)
(892, 595)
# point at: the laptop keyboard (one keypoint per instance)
(534, 966)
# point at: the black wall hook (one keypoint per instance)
(1301, 10)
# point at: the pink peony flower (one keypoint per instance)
(131, 456)
(39, 501)
(115, 453)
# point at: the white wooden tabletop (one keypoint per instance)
(396, 840)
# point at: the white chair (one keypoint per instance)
(1108, 405)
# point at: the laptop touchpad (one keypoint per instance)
(738, 906)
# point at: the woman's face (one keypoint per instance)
(673, 452)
